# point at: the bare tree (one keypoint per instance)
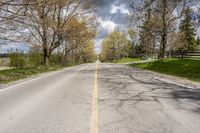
(46, 22)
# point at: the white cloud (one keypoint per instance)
(121, 8)
(114, 9)
(107, 25)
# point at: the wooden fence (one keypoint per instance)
(185, 54)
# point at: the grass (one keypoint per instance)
(186, 68)
(14, 74)
(126, 60)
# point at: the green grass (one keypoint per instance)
(14, 74)
(126, 60)
(186, 68)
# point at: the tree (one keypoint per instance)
(198, 41)
(115, 46)
(47, 22)
(164, 12)
(132, 36)
(188, 30)
(88, 52)
(147, 36)
(176, 41)
(81, 33)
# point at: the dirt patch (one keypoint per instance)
(4, 62)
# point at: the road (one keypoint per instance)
(100, 98)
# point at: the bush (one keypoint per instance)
(55, 59)
(17, 60)
(35, 59)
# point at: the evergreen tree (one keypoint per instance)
(188, 30)
(198, 41)
(147, 37)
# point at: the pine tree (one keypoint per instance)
(147, 37)
(188, 30)
(198, 41)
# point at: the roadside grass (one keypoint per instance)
(14, 74)
(186, 68)
(126, 60)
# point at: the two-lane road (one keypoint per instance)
(100, 98)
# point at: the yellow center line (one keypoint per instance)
(94, 114)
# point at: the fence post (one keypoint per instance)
(167, 54)
(182, 54)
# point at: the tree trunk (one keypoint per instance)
(164, 31)
(45, 57)
(133, 50)
(163, 45)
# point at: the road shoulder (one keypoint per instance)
(34, 77)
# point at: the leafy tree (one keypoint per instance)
(139, 49)
(188, 30)
(115, 46)
(176, 41)
(88, 52)
(79, 37)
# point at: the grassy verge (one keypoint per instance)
(126, 60)
(187, 68)
(14, 74)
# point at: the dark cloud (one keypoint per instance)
(104, 7)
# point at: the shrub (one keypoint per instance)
(35, 59)
(17, 60)
(55, 59)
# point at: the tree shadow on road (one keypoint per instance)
(133, 86)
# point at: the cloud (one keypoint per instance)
(119, 8)
(107, 25)
(111, 14)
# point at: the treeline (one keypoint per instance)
(58, 31)
(164, 26)
(35, 58)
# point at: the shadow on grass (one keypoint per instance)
(187, 68)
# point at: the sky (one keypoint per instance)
(12, 46)
(111, 14)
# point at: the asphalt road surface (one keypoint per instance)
(100, 98)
